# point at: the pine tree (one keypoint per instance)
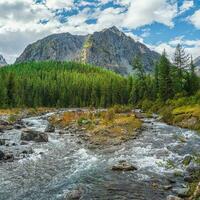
(165, 82)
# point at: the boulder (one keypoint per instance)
(18, 126)
(124, 166)
(31, 135)
(2, 155)
(74, 195)
(171, 197)
(8, 157)
(167, 187)
(2, 142)
(182, 192)
(50, 128)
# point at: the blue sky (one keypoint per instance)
(160, 24)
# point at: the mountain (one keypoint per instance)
(197, 64)
(109, 48)
(2, 61)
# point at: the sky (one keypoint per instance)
(159, 24)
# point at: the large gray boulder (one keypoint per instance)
(2, 155)
(31, 135)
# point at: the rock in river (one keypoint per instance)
(124, 166)
(50, 128)
(171, 197)
(2, 142)
(31, 135)
(2, 155)
(74, 195)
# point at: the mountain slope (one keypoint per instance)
(2, 61)
(197, 64)
(109, 48)
(197, 61)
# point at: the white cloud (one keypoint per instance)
(59, 4)
(195, 19)
(142, 12)
(191, 47)
(187, 4)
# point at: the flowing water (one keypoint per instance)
(63, 164)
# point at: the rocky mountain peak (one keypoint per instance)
(197, 61)
(2, 61)
(109, 48)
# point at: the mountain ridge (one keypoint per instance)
(2, 61)
(109, 48)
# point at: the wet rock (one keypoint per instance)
(4, 123)
(18, 126)
(50, 128)
(124, 166)
(171, 197)
(8, 157)
(193, 168)
(31, 135)
(167, 187)
(2, 155)
(2, 142)
(74, 195)
(24, 143)
(62, 132)
(186, 160)
(182, 192)
(188, 179)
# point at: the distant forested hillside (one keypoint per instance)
(60, 84)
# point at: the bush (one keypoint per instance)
(122, 108)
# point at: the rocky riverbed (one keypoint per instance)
(38, 161)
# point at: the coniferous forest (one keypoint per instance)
(70, 84)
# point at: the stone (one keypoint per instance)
(124, 166)
(9, 157)
(167, 187)
(31, 135)
(171, 197)
(24, 143)
(50, 128)
(181, 192)
(2, 155)
(74, 195)
(2, 142)
(18, 126)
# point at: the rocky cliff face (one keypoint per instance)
(197, 64)
(109, 48)
(197, 61)
(2, 61)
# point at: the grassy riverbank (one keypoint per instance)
(183, 112)
(103, 127)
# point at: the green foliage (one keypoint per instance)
(60, 84)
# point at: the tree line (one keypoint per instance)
(170, 79)
(70, 84)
